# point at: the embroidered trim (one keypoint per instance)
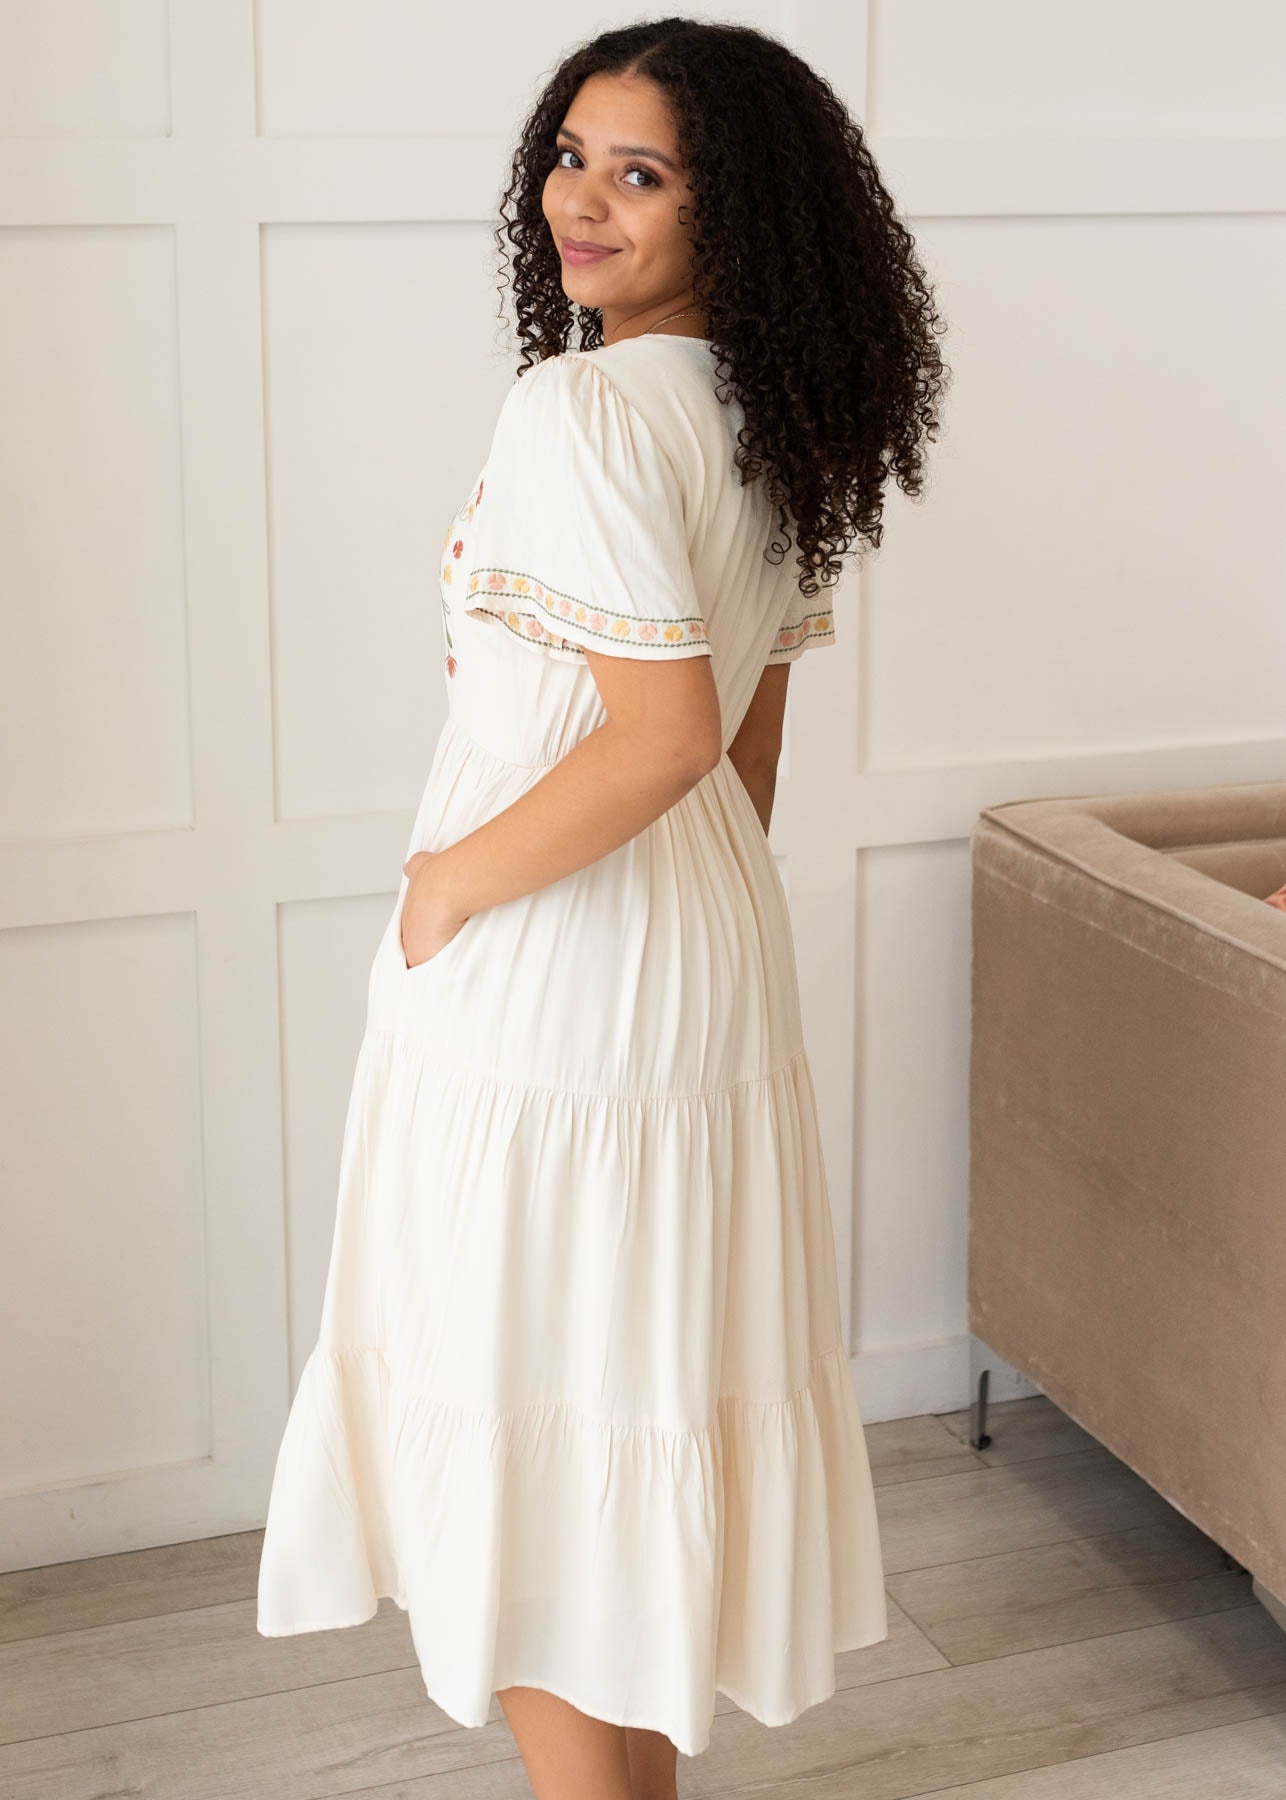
(452, 550)
(541, 603)
(819, 627)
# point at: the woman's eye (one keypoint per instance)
(634, 168)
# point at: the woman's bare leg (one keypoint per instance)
(567, 1754)
(653, 1764)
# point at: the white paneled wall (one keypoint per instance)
(252, 352)
(94, 716)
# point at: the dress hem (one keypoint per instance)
(772, 1723)
(721, 1483)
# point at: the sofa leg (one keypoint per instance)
(978, 1437)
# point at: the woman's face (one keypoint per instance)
(618, 184)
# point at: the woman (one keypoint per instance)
(580, 1401)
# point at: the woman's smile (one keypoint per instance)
(578, 252)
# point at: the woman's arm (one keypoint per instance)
(756, 749)
(663, 733)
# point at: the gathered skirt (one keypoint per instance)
(580, 1402)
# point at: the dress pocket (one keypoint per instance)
(410, 970)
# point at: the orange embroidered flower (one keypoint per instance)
(457, 549)
(791, 637)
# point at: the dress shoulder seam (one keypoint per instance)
(569, 377)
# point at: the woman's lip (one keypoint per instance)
(579, 254)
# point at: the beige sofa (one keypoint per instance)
(1127, 1226)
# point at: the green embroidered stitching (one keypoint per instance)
(794, 637)
(512, 584)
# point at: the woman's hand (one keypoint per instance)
(429, 921)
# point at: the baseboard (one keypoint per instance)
(905, 1380)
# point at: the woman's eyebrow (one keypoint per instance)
(626, 150)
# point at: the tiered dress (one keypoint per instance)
(580, 1402)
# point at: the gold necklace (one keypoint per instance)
(674, 315)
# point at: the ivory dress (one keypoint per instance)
(580, 1402)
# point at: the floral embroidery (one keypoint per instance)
(453, 548)
(816, 628)
(548, 604)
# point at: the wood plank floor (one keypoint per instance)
(1058, 1632)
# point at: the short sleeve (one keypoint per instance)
(579, 540)
(807, 624)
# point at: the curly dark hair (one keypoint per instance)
(819, 314)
